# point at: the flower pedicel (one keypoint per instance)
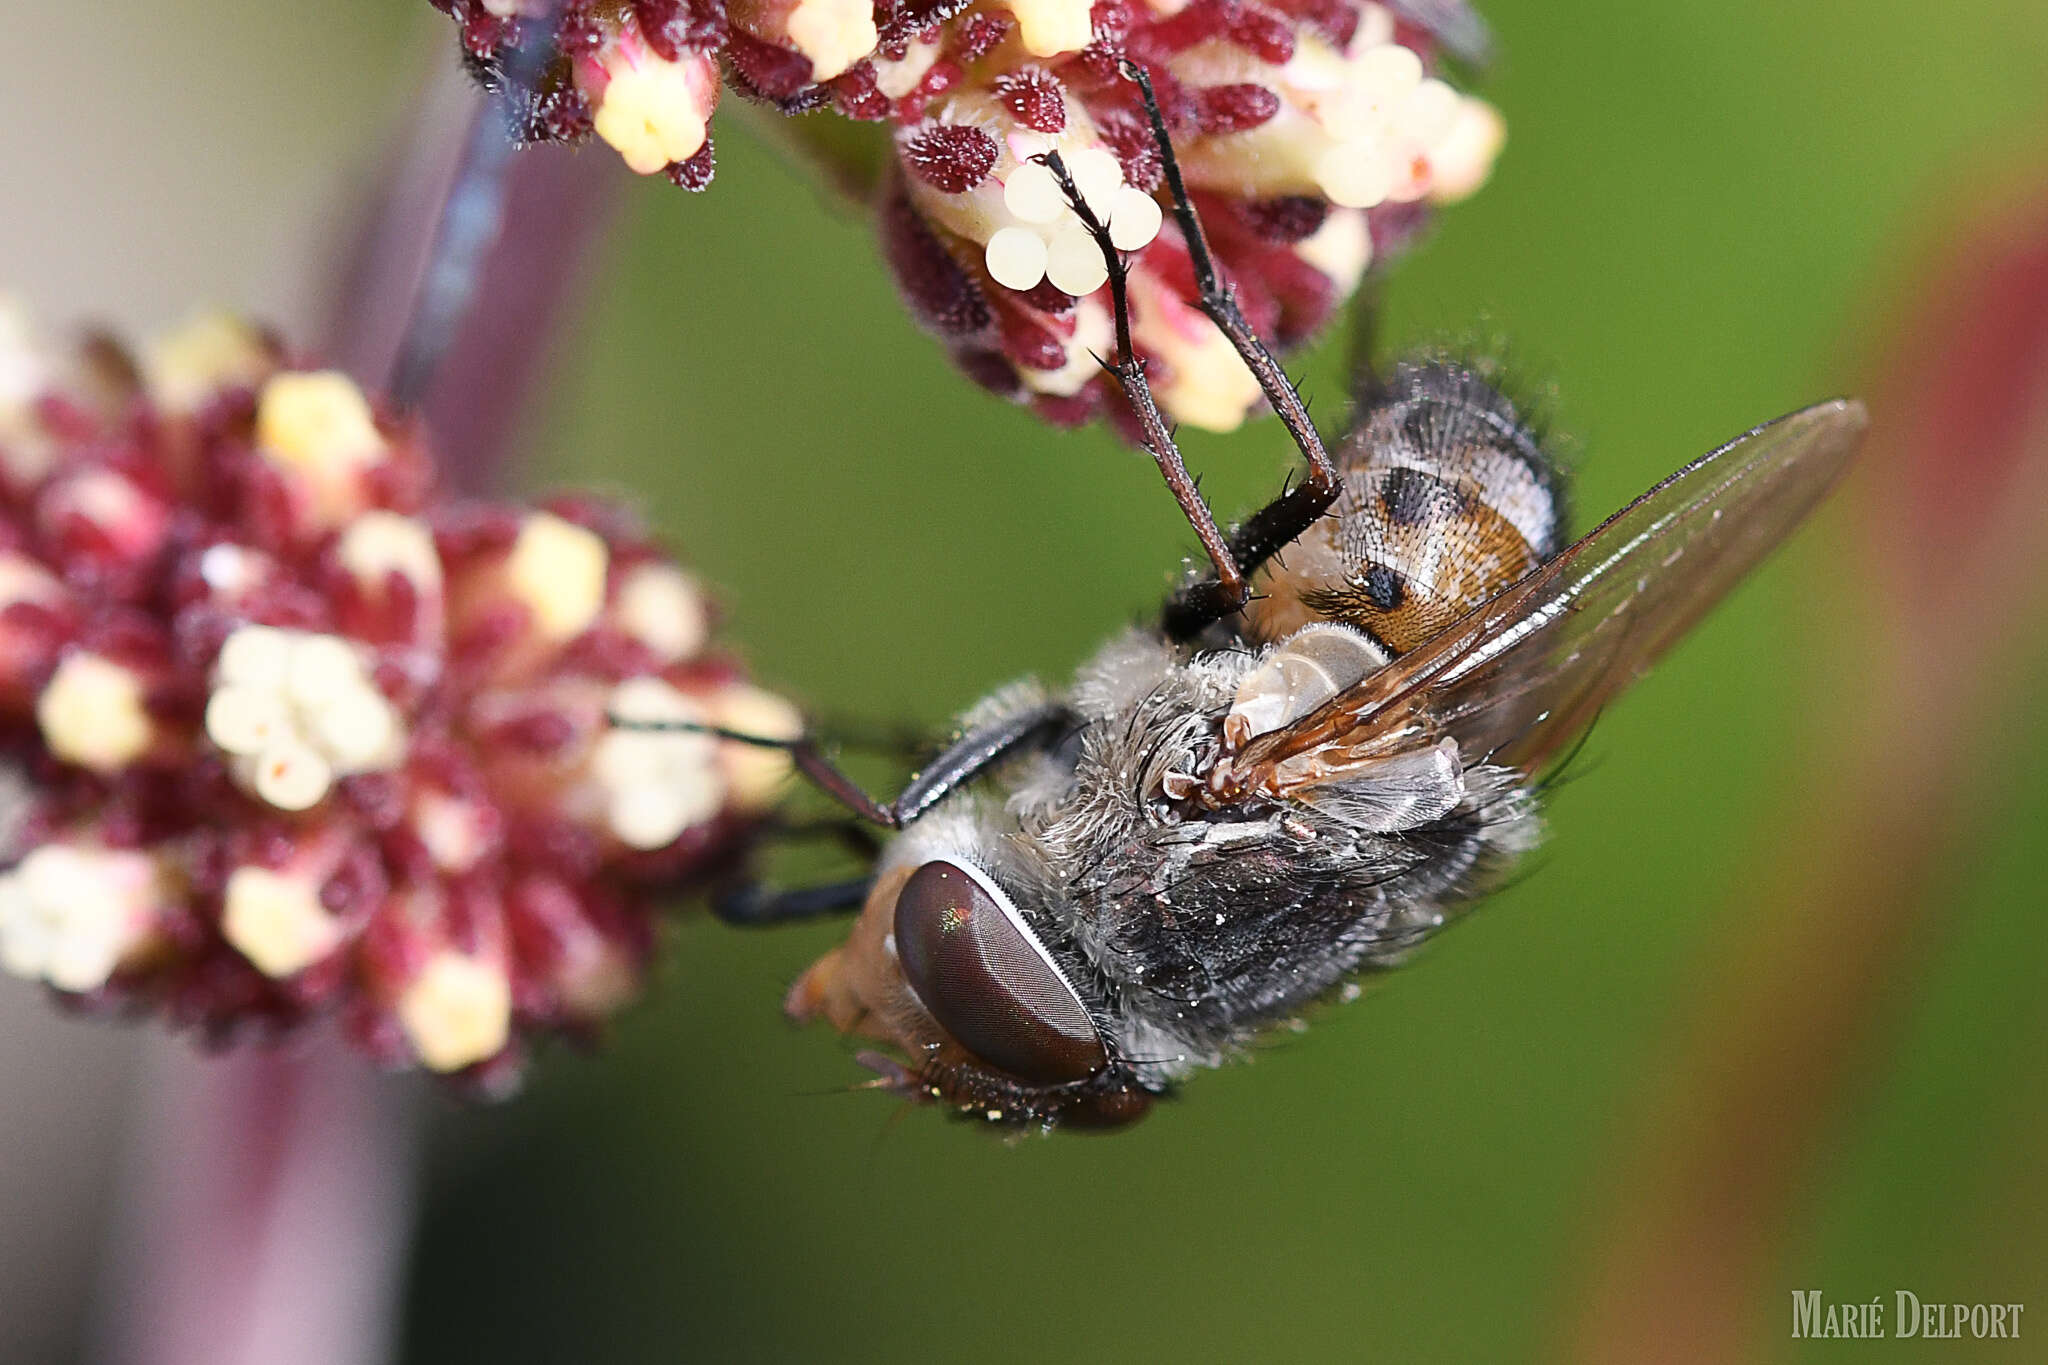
(295, 736)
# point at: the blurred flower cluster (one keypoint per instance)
(1313, 134)
(289, 735)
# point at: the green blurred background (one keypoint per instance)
(1698, 217)
(1701, 218)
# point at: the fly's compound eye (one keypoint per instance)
(988, 980)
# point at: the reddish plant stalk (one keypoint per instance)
(1785, 1037)
(271, 1188)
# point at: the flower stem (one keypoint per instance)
(270, 1192)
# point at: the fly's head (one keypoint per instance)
(985, 1009)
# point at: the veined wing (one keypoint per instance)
(1519, 676)
(1453, 23)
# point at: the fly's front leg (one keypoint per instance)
(1214, 598)
(1283, 520)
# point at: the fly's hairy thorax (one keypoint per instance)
(1199, 928)
(1447, 497)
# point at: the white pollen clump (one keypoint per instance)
(660, 606)
(1015, 257)
(186, 366)
(1386, 72)
(378, 544)
(322, 669)
(1033, 193)
(246, 720)
(656, 783)
(1430, 109)
(320, 427)
(754, 773)
(260, 656)
(289, 775)
(457, 1011)
(296, 710)
(1360, 126)
(1097, 175)
(654, 112)
(69, 913)
(1463, 157)
(1049, 241)
(1073, 261)
(354, 728)
(1049, 27)
(1134, 218)
(557, 569)
(1355, 175)
(276, 920)
(834, 34)
(91, 714)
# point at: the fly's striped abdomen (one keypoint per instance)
(1447, 499)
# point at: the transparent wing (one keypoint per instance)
(1454, 24)
(1521, 675)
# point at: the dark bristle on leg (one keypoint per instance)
(1265, 532)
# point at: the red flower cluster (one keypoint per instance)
(293, 736)
(1313, 133)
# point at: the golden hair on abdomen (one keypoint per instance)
(1447, 498)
